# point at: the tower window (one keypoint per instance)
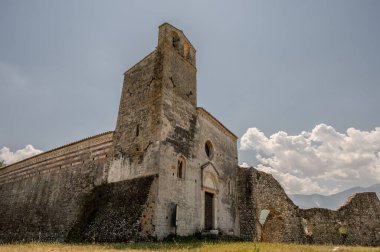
(175, 40)
(137, 130)
(209, 150)
(181, 165)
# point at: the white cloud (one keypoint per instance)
(320, 161)
(11, 157)
(245, 165)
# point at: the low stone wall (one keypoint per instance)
(356, 222)
(40, 197)
(45, 206)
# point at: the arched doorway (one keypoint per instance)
(273, 227)
(210, 194)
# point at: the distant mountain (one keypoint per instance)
(333, 201)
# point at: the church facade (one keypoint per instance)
(161, 131)
(169, 167)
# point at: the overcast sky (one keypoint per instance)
(265, 69)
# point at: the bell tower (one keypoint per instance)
(157, 92)
(179, 63)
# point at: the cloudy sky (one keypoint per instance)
(298, 81)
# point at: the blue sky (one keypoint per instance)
(272, 65)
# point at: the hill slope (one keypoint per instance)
(333, 201)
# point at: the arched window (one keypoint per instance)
(209, 150)
(175, 40)
(181, 166)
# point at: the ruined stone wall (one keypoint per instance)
(321, 225)
(40, 197)
(248, 216)
(259, 191)
(361, 219)
(356, 222)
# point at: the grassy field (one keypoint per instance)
(183, 246)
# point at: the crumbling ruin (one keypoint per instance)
(356, 222)
(169, 167)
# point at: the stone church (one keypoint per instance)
(169, 167)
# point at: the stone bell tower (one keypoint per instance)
(164, 80)
(179, 58)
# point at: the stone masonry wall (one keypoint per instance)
(184, 132)
(356, 222)
(40, 197)
(118, 212)
(263, 192)
(135, 151)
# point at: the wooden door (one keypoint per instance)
(209, 211)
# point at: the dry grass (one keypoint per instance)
(183, 246)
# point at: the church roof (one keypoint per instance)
(216, 122)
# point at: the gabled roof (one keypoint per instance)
(216, 122)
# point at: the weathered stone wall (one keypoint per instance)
(62, 195)
(321, 225)
(259, 191)
(158, 124)
(361, 219)
(221, 167)
(40, 197)
(118, 212)
(185, 130)
(135, 151)
(356, 222)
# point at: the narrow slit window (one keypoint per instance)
(180, 169)
(137, 130)
(181, 165)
